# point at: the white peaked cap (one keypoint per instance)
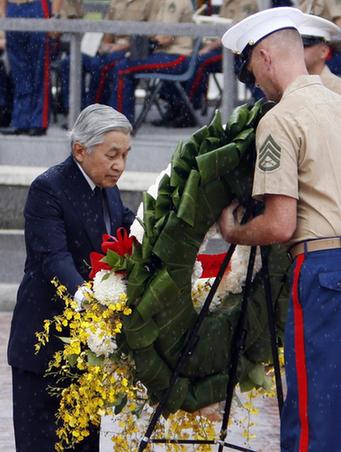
(319, 27)
(252, 29)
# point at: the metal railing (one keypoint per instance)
(76, 28)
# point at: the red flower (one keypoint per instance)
(211, 264)
(122, 244)
(96, 264)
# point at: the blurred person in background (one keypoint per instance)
(330, 10)
(112, 49)
(29, 60)
(72, 9)
(317, 34)
(209, 61)
(5, 87)
(170, 55)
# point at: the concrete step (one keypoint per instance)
(151, 148)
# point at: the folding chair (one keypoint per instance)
(155, 81)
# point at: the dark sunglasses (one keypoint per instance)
(242, 61)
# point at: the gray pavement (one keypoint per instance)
(6, 428)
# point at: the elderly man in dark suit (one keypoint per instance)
(68, 209)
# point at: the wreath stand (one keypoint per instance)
(237, 345)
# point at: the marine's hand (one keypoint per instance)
(229, 221)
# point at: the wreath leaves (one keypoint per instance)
(207, 172)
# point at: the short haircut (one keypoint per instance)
(95, 121)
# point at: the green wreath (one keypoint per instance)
(211, 169)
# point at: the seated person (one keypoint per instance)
(171, 56)
(209, 61)
(112, 49)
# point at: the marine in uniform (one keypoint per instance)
(297, 176)
(317, 34)
(29, 59)
(170, 56)
(210, 57)
(330, 10)
(72, 9)
(112, 49)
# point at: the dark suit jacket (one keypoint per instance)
(63, 224)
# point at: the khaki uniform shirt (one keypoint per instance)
(330, 80)
(238, 9)
(176, 11)
(299, 155)
(329, 9)
(72, 9)
(135, 10)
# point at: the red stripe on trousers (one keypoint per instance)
(102, 79)
(140, 68)
(46, 71)
(200, 73)
(301, 370)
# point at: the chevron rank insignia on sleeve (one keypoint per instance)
(269, 157)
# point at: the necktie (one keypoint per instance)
(101, 196)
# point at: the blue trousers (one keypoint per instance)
(122, 96)
(311, 414)
(209, 63)
(29, 58)
(99, 69)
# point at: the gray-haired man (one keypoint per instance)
(64, 221)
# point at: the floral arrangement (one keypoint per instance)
(119, 349)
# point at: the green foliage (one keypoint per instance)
(208, 171)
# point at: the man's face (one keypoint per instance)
(261, 67)
(106, 161)
(315, 56)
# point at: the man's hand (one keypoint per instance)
(163, 41)
(276, 224)
(229, 221)
(212, 412)
(79, 297)
(107, 47)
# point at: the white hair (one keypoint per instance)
(95, 121)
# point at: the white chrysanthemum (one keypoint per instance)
(108, 286)
(136, 229)
(234, 280)
(197, 272)
(101, 344)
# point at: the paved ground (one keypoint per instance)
(6, 429)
